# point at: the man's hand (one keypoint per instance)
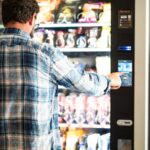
(115, 80)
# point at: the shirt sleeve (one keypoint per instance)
(76, 78)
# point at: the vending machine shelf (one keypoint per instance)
(105, 126)
(71, 25)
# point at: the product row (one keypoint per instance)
(92, 63)
(75, 38)
(83, 109)
(79, 139)
(61, 11)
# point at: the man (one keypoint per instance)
(29, 77)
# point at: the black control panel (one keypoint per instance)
(122, 60)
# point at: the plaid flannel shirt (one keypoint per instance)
(30, 73)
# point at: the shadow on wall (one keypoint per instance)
(1, 25)
(0, 11)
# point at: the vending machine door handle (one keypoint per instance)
(124, 122)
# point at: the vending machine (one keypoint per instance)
(97, 35)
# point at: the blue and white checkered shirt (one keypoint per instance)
(30, 73)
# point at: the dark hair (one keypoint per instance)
(18, 10)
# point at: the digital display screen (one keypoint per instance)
(126, 67)
(127, 48)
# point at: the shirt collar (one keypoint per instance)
(15, 31)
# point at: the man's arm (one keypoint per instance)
(66, 74)
(115, 80)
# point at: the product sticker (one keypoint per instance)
(125, 19)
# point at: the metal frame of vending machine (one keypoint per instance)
(141, 101)
(122, 60)
(149, 77)
(149, 80)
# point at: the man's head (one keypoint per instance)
(21, 11)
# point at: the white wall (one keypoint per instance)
(141, 74)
